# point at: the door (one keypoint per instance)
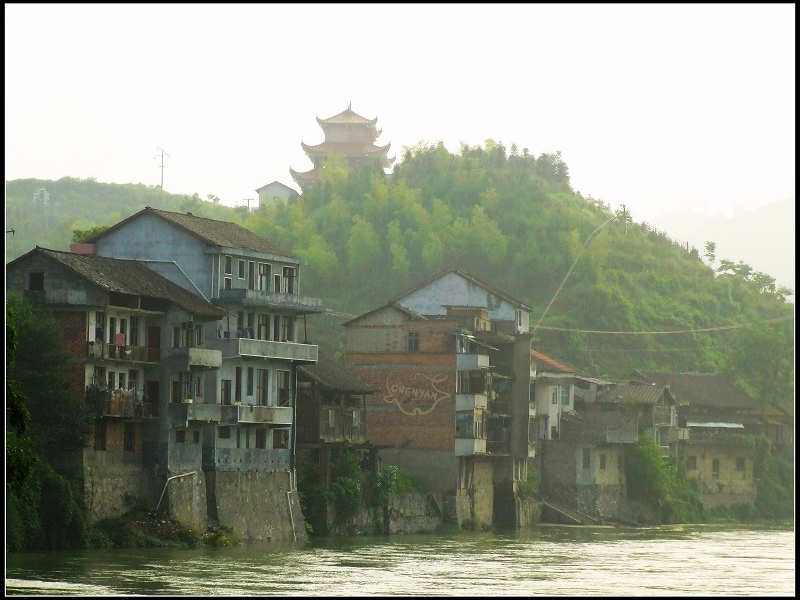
(154, 344)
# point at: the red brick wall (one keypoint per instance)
(414, 407)
(73, 327)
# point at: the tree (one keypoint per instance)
(711, 253)
(59, 422)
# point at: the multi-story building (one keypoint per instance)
(349, 135)
(451, 361)
(248, 453)
(132, 336)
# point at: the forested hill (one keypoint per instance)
(608, 295)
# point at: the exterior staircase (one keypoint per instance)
(558, 513)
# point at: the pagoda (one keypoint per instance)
(348, 134)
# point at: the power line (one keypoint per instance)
(721, 328)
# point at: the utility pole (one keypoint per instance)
(162, 165)
(625, 218)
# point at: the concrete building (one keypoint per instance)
(451, 361)
(249, 454)
(267, 194)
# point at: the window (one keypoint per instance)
(280, 439)
(133, 339)
(287, 329)
(241, 269)
(261, 438)
(587, 456)
(112, 378)
(554, 394)
(250, 372)
(251, 275)
(100, 322)
(283, 388)
(122, 381)
(36, 282)
(276, 328)
(228, 283)
(196, 436)
(228, 265)
(740, 464)
(261, 387)
(263, 326)
(288, 279)
(691, 463)
(225, 433)
(180, 436)
(277, 283)
(238, 396)
(715, 468)
(227, 389)
(413, 341)
(264, 275)
(464, 424)
(133, 380)
(602, 462)
(129, 437)
(565, 395)
(198, 335)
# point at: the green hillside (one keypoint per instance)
(607, 293)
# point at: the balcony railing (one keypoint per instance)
(196, 357)
(470, 362)
(239, 347)
(270, 415)
(104, 350)
(471, 401)
(470, 446)
(301, 304)
(724, 438)
(120, 403)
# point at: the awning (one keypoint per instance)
(715, 424)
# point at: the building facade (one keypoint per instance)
(450, 359)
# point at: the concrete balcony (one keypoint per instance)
(268, 415)
(96, 351)
(185, 358)
(246, 347)
(469, 362)
(181, 413)
(471, 401)
(676, 434)
(255, 298)
(470, 446)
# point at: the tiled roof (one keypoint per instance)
(303, 176)
(637, 393)
(347, 117)
(548, 365)
(413, 315)
(217, 233)
(700, 389)
(345, 148)
(468, 277)
(130, 277)
(328, 372)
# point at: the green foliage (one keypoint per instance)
(346, 484)
(81, 235)
(384, 485)
(530, 487)
(774, 476)
(60, 423)
(314, 499)
(661, 483)
(761, 360)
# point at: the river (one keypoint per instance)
(547, 560)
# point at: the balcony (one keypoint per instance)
(676, 434)
(181, 413)
(184, 358)
(470, 446)
(470, 362)
(299, 304)
(268, 415)
(471, 401)
(120, 403)
(241, 347)
(343, 428)
(502, 447)
(135, 354)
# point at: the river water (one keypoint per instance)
(547, 560)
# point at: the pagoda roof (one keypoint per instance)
(347, 117)
(347, 149)
(302, 177)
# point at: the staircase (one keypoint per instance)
(557, 513)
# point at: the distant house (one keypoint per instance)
(718, 416)
(267, 194)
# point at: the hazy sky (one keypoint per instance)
(656, 106)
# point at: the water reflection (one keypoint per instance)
(547, 560)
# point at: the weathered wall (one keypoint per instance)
(439, 469)
(258, 506)
(529, 512)
(115, 481)
(186, 499)
(728, 486)
(410, 512)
